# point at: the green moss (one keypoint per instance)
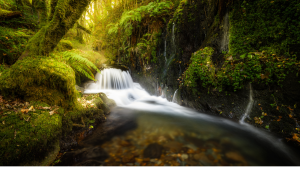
(64, 45)
(258, 67)
(8, 4)
(41, 79)
(265, 25)
(89, 97)
(76, 116)
(26, 136)
(101, 105)
(12, 44)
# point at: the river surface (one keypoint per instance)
(145, 130)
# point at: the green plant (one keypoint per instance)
(260, 25)
(80, 65)
(259, 67)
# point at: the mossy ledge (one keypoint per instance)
(40, 78)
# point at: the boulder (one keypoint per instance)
(40, 79)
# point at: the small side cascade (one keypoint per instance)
(111, 79)
(225, 38)
(249, 106)
(173, 33)
(165, 52)
(174, 100)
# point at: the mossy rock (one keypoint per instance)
(40, 79)
(109, 102)
(26, 137)
(64, 45)
(76, 117)
(101, 105)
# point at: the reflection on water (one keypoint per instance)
(146, 130)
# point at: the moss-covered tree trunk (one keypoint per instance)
(65, 15)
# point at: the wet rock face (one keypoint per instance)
(153, 151)
(277, 107)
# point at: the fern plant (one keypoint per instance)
(81, 65)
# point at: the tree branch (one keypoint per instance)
(83, 28)
(5, 14)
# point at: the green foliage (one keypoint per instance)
(2, 68)
(80, 65)
(177, 14)
(200, 68)
(144, 45)
(252, 67)
(8, 4)
(12, 43)
(265, 25)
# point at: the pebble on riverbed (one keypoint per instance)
(167, 149)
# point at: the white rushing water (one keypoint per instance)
(249, 106)
(174, 100)
(173, 33)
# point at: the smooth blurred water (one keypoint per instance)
(201, 139)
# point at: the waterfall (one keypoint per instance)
(111, 79)
(174, 100)
(225, 38)
(249, 106)
(117, 84)
(165, 52)
(173, 33)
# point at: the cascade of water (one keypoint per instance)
(174, 100)
(225, 38)
(173, 34)
(165, 52)
(249, 106)
(111, 79)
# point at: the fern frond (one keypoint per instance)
(80, 65)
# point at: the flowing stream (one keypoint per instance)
(145, 130)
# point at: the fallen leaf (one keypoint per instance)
(45, 108)
(31, 109)
(3, 122)
(53, 111)
(24, 110)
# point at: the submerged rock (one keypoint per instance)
(153, 151)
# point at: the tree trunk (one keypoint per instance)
(52, 8)
(67, 12)
(41, 8)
